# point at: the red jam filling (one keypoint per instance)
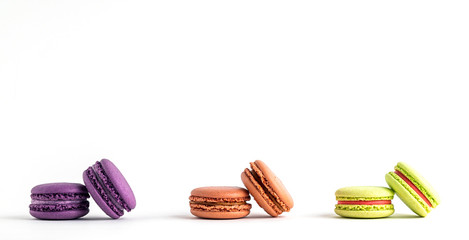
(376, 202)
(413, 187)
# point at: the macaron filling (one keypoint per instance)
(57, 202)
(219, 204)
(59, 196)
(83, 205)
(375, 202)
(220, 208)
(363, 204)
(415, 188)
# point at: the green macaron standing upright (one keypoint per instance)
(413, 189)
(364, 202)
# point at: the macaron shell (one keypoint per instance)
(276, 184)
(219, 215)
(65, 215)
(97, 197)
(364, 214)
(120, 183)
(405, 195)
(258, 196)
(221, 192)
(365, 192)
(59, 188)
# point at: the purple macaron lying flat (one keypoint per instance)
(59, 201)
(109, 188)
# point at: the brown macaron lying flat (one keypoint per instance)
(268, 191)
(220, 202)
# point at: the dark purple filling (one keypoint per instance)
(110, 187)
(59, 207)
(94, 181)
(60, 196)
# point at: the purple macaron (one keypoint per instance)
(59, 201)
(109, 188)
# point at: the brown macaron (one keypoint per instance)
(268, 191)
(220, 202)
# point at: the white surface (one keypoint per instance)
(183, 94)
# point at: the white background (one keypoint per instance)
(184, 94)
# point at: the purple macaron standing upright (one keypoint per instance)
(59, 201)
(109, 188)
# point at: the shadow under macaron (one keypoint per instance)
(249, 217)
(394, 216)
(403, 216)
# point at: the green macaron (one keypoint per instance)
(364, 202)
(413, 189)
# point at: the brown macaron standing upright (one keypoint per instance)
(220, 202)
(268, 191)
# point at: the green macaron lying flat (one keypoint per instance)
(413, 189)
(364, 202)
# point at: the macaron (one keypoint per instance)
(364, 202)
(413, 189)
(59, 201)
(109, 188)
(220, 202)
(267, 189)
